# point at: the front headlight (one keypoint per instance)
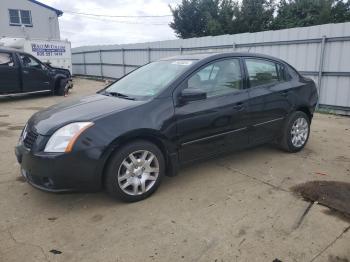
(64, 138)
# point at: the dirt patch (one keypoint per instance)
(332, 194)
(5, 133)
(20, 179)
(35, 108)
(55, 251)
(342, 159)
(2, 124)
(332, 258)
(241, 232)
(15, 128)
(96, 218)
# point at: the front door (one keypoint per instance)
(268, 98)
(217, 123)
(34, 74)
(9, 74)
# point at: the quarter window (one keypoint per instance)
(263, 72)
(20, 17)
(6, 60)
(218, 78)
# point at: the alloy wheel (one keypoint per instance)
(138, 172)
(299, 132)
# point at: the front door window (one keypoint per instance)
(218, 78)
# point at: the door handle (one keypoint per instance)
(239, 106)
(25, 72)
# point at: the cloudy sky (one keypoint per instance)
(90, 30)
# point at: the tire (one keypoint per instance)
(131, 180)
(295, 132)
(62, 87)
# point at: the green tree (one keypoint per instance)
(225, 21)
(228, 16)
(188, 19)
(299, 13)
(210, 10)
(194, 18)
(255, 15)
(340, 11)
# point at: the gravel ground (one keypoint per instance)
(235, 208)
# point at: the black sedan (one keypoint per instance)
(165, 114)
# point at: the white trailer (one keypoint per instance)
(56, 52)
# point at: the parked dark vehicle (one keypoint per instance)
(163, 115)
(22, 73)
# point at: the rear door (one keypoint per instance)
(268, 98)
(217, 123)
(10, 81)
(34, 74)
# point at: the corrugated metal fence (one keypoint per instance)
(320, 52)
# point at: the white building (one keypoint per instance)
(29, 19)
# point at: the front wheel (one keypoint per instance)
(135, 171)
(295, 133)
(62, 87)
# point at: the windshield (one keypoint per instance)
(149, 80)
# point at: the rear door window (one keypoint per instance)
(264, 72)
(6, 60)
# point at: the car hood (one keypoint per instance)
(64, 71)
(88, 108)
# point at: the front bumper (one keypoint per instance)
(39, 184)
(59, 172)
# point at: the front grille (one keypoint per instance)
(30, 138)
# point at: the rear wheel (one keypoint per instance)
(295, 133)
(135, 171)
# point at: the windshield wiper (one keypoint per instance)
(116, 94)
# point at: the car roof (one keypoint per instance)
(8, 49)
(201, 56)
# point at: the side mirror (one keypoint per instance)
(192, 94)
